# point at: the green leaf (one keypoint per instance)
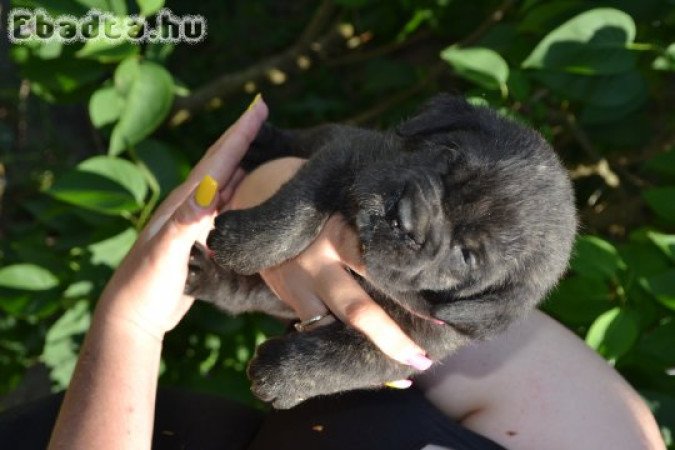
(578, 300)
(592, 43)
(658, 344)
(125, 74)
(27, 277)
(599, 115)
(663, 163)
(111, 251)
(104, 184)
(62, 78)
(107, 51)
(665, 242)
(542, 17)
(149, 7)
(148, 102)
(79, 289)
(596, 258)
(105, 106)
(609, 91)
(665, 61)
(49, 50)
(482, 66)
(662, 201)
(642, 259)
(120, 171)
(61, 343)
(663, 288)
(168, 166)
(117, 7)
(613, 333)
(93, 192)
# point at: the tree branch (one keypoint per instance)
(308, 43)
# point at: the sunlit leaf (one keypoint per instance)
(483, 66)
(120, 171)
(104, 184)
(594, 257)
(665, 61)
(27, 277)
(149, 7)
(111, 251)
(147, 103)
(592, 43)
(663, 287)
(61, 347)
(105, 106)
(613, 333)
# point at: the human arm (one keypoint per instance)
(538, 386)
(111, 398)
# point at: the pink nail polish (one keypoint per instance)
(419, 362)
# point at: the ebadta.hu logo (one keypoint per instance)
(26, 25)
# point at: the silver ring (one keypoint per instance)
(304, 324)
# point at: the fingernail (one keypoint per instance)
(399, 384)
(419, 362)
(206, 191)
(255, 100)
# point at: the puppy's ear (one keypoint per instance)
(443, 112)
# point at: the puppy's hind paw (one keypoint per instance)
(273, 380)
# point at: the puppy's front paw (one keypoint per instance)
(201, 272)
(275, 376)
(233, 243)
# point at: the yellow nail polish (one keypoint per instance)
(255, 100)
(206, 191)
(399, 384)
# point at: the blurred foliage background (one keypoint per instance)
(93, 135)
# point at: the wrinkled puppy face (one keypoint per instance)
(431, 221)
(472, 205)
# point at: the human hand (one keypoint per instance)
(146, 291)
(316, 280)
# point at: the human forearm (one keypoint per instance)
(110, 401)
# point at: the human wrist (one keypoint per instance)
(113, 317)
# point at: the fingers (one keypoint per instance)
(227, 192)
(192, 218)
(346, 242)
(222, 159)
(293, 286)
(221, 162)
(350, 303)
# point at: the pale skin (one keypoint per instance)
(537, 386)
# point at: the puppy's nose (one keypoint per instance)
(413, 214)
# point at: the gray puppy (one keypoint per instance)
(464, 217)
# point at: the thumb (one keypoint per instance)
(193, 217)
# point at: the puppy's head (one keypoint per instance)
(471, 203)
